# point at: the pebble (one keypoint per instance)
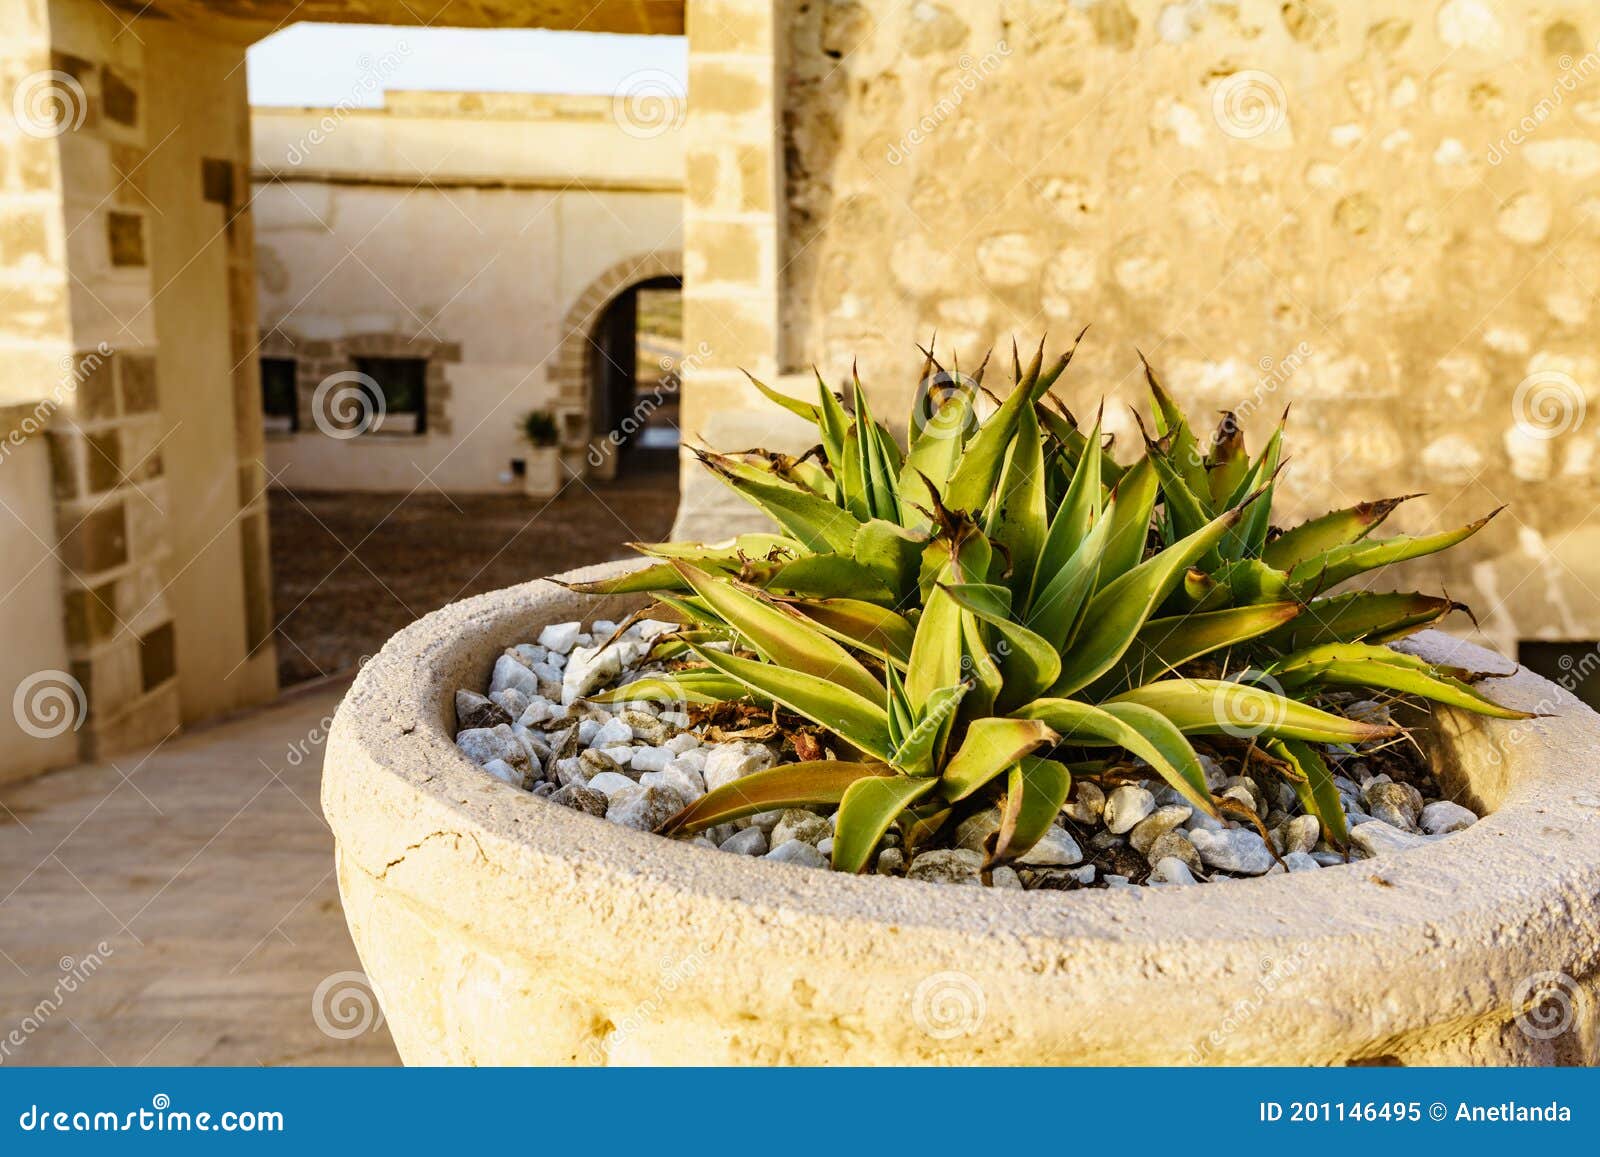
(1301, 834)
(1233, 850)
(583, 799)
(504, 772)
(571, 771)
(1390, 803)
(947, 866)
(588, 670)
(1055, 848)
(684, 741)
(749, 842)
(686, 783)
(1088, 802)
(540, 711)
(1171, 870)
(730, 761)
(1157, 824)
(595, 761)
(973, 832)
(560, 637)
(1376, 837)
(512, 701)
(891, 862)
(1328, 859)
(825, 846)
(1175, 846)
(1126, 806)
(798, 852)
(528, 654)
(510, 673)
(481, 744)
(651, 759)
(643, 808)
(611, 733)
(1301, 862)
(1004, 877)
(1443, 816)
(797, 824)
(608, 783)
(696, 759)
(475, 711)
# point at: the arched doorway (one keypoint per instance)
(634, 351)
(619, 361)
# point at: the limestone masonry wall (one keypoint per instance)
(1388, 215)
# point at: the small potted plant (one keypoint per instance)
(541, 477)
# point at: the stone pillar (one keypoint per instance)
(84, 349)
(96, 209)
(733, 173)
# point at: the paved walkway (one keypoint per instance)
(178, 907)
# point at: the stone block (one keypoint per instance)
(91, 614)
(98, 541)
(140, 394)
(158, 660)
(724, 89)
(125, 237)
(95, 392)
(119, 98)
(103, 459)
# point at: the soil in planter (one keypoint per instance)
(637, 764)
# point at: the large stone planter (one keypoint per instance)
(501, 929)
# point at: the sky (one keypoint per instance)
(330, 64)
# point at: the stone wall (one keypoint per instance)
(1388, 216)
(38, 732)
(484, 233)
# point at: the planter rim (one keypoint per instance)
(1454, 925)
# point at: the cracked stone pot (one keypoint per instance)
(498, 928)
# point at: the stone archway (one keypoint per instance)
(573, 367)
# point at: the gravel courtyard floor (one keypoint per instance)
(349, 570)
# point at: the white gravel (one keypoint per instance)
(637, 764)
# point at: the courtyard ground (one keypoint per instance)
(178, 906)
(349, 570)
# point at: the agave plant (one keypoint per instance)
(979, 616)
